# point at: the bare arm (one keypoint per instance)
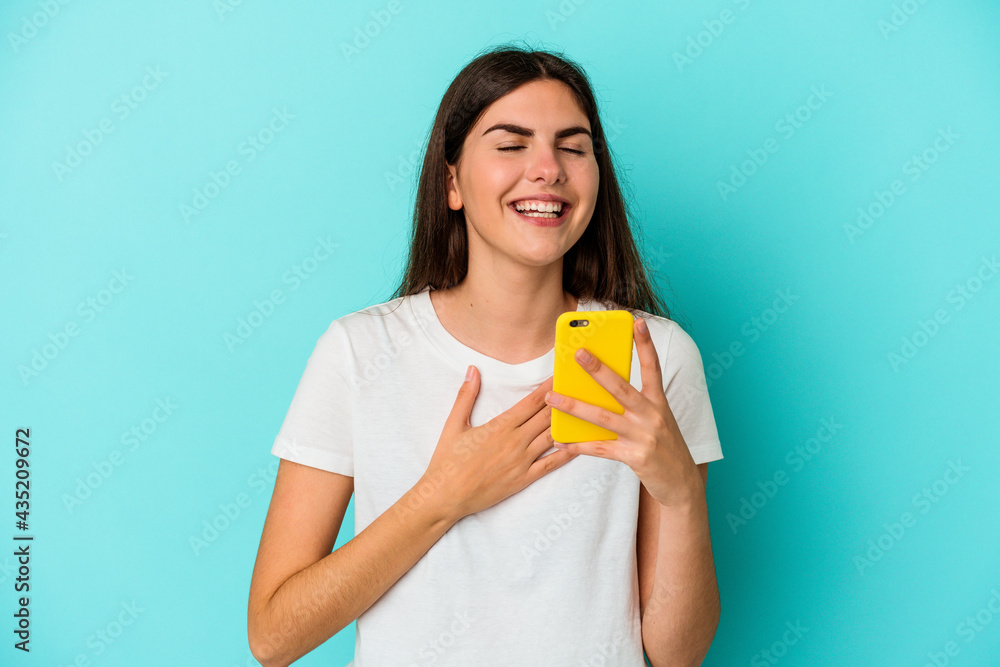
(678, 593)
(301, 594)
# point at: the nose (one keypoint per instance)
(545, 164)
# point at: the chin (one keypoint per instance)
(540, 256)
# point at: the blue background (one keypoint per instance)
(689, 94)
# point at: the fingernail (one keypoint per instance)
(551, 398)
(583, 355)
(468, 374)
(642, 325)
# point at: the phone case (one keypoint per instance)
(607, 334)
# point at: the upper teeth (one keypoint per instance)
(535, 205)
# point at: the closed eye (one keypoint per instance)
(514, 148)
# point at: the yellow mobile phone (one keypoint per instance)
(607, 334)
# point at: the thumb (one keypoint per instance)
(461, 411)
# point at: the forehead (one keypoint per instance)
(544, 106)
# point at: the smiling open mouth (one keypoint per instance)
(542, 218)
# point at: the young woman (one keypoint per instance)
(478, 540)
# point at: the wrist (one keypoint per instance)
(687, 499)
(427, 499)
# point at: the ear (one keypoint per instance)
(454, 198)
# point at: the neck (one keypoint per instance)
(502, 319)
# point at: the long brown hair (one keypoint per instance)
(604, 264)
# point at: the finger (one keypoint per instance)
(525, 409)
(606, 412)
(538, 424)
(604, 449)
(603, 417)
(649, 361)
(542, 442)
(547, 464)
(459, 419)
(620, 389)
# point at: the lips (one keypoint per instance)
(541, 196)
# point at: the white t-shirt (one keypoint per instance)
(547, 576)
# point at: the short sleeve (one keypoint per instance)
(317, 428)
(687, 394)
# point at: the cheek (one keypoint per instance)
(491, 184)
(586, 183)
(502, 178)
(594, 176)
(586, 176)
(486, 194)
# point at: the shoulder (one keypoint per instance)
(364, 331)
(674, 346)
(360, 323)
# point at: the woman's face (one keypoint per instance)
(533, 140)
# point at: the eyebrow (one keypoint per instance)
(525, 132)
